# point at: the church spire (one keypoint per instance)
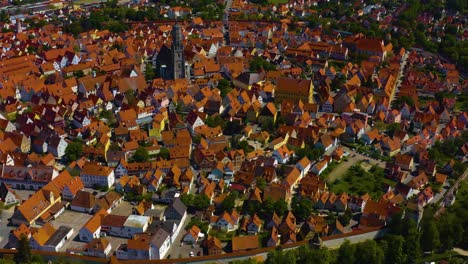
(177, 50)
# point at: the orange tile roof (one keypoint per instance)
(43, 234)
(95, 222)
(95, 169)
(241, 243)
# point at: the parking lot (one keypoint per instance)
(24, 194)
(124, 208)
(4, 228)
(74, 220)
(183, 251)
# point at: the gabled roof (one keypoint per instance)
(244, 243)
(43, 234)
(84, 199)
(95, 222)
(35, 205)
(178, 206)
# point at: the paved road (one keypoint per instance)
(336, 243)
(401, 74)
(176, 250)
(461, 252)
(438, 196)
(463, 177)
(4, 229)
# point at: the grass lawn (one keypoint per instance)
(222, 235)
(358, 181)
(278, 1)
(328, 170)
(389, 182)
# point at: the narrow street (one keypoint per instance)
(453, 188)
(176, 250)
(399, 80)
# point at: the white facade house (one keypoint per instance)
(320, 166)
(303, 166)
(92, 229)
(136, 224)
(58, 239)
(96, 175)
(127, 251)
(150, 248)
(57, 146)
(50, 239)
(88, 235)
(160, 244)
(194, 121)
(282, 154)
(123, 226)
(8, 195)
(120, 170)
(100, 248)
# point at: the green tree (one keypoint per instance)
(201, 202)
(268, 206)
(396, 224)
(269, 125)
(281, 257)
(394, 253)
(164, 153)
(141, 155)
(230, 201)
(196, 221)
(400, 101)
(244, 145)
(79, 74)
(187, 199)
(450, 231)
(281, 207)
(4, 16)
(109, 116)
(149, 72)
(369, 252)
(380, 126)
(345, 218)
(301, 208)
(74, 151)
(215, 121)
(23, 255)
(346, 253)
(429, 235)
(245, 261)
(224, 87)
(410, 232)
(392, 128)
(259, 63)
(261, 184)
(305, 254)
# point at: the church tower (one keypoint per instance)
(177, 50)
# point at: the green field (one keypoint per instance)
(278, 1)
